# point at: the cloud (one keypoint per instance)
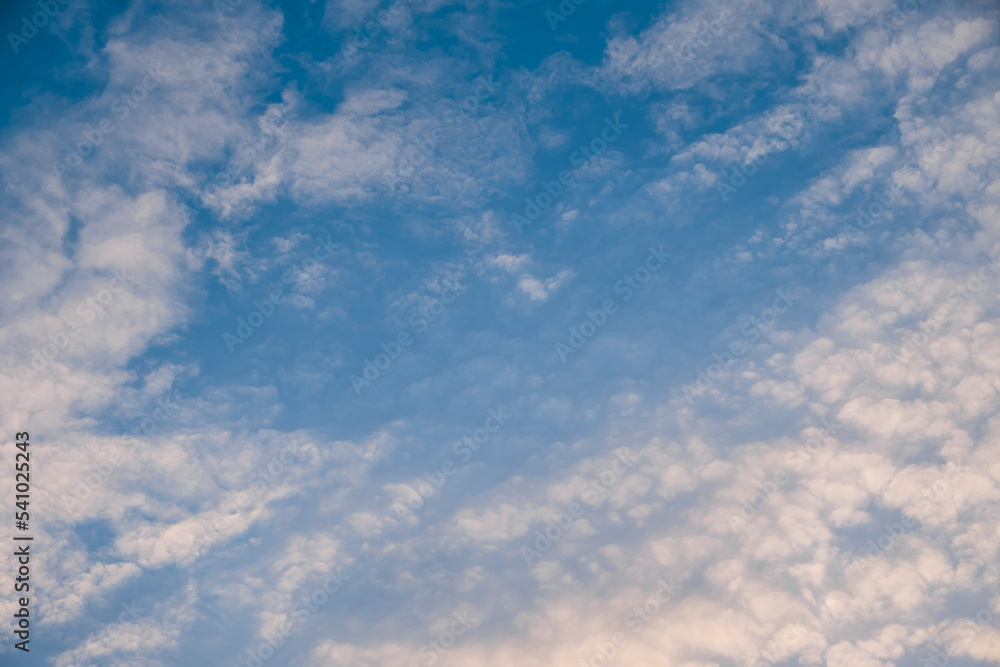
(222, 491)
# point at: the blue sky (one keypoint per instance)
(333, 347)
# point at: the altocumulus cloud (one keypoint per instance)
(545, 398)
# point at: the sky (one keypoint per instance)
(547, 334)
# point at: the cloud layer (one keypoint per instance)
(778, 446)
